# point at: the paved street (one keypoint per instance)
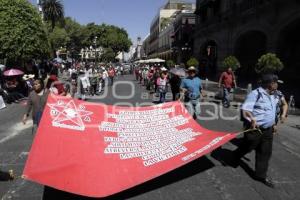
(207, 178)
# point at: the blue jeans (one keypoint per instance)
(111, 80)
(226, 92)
(193, 107)
(162, 97)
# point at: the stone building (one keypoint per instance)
(161, 20)
(183, 40)
(248, 29)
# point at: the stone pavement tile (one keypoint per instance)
(269, 193)
(289, 191)
(231, 177)
(4, 187)
(206, 194)
(22, 189)
(8, 158)
(284, 171)
(231, 185)
(242, 193)
(30, 191)
(24, 136)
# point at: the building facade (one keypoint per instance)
(249, 29)
(183, 40)
(145, 47)
(91, 54)
(165, 42)
(161, 20)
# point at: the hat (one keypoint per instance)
(269, 78)
(280, 81)
(28, 76)
(164, 69)
(192, 68)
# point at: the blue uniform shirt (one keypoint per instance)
(263, 108)
(193, 85)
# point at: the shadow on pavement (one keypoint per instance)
(200, 165)
(226, 158)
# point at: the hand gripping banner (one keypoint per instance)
(98, 150)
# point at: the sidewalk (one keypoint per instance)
(239, 95)
(213, 91)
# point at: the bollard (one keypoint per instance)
(292, 103)
(249, 88)
(206, 83)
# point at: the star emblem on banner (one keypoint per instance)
(68, 115)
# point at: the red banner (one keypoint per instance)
(97, 150)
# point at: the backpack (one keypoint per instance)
(246, 123)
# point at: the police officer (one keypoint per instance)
(191, 91)
(259, 110)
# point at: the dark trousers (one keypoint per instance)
(175, 94)
(93, 89)
(162, 97)
(111, 78)
(262, 144)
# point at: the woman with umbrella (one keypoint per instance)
(14, 87)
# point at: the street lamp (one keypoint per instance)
(91, 53)
(40, 8)
(95, 45)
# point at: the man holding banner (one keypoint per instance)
(191, 92)
(259, 110)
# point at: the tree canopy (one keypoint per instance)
(53, 11)
(108, 36)
(230, 62)
(108, 55)
(22, 33)
(192, 62)
(75, 35)
(269, 63)
(59, 38)
(170, 63)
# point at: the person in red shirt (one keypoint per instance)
(111, 75)
(227, 81)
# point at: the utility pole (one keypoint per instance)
(95, 45)
(40, 8)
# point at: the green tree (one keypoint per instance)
(117, 39)
(192, 62)
(75, 34)
(269, 63)
(170, 63)
(53, 11)
(232, 62)
(59, 38)
(108, 36)
(91, 31)
(22, 33)
(108, 55)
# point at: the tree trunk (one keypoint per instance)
(52, 24)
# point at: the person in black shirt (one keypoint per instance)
(175, 82)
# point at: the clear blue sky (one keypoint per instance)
(133, 15)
